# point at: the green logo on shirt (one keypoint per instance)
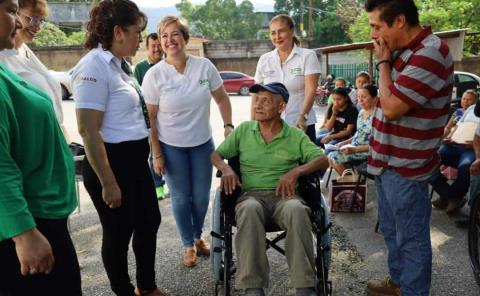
(204, 82)
(295, 71)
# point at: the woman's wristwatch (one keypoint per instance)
(228, 124)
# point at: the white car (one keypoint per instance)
(63, 77)
(464, 81)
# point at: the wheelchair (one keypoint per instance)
(223, 223)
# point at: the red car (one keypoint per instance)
(236, 82)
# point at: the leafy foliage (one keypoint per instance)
(331, 18)
(51, 35)
(221, 19)
(440, 14)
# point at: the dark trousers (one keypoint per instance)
(65, 276)
(459, 157)
(138, 215)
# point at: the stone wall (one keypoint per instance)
(471, 65)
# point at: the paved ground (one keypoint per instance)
(358, 252)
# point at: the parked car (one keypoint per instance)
(63, 77)
(237, 82)
(463, 81)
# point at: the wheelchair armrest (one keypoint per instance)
(309, 189)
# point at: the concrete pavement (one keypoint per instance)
(358, 254)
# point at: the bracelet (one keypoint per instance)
(228, 124)
(381, 62)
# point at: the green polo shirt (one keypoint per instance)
(261, 164)
(141, 69)
(36, 165)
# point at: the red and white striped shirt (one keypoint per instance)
(422, 76)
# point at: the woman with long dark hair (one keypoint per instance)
(113, 122)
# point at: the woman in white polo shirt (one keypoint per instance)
(113, 123)
(178, 91)
(297, 68)
(23, 61)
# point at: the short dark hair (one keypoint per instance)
(342, 79)
(372, 89)
(107, 14)
(391, 9)
(342, 91)
(153, 36)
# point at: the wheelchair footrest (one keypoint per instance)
(216, 235)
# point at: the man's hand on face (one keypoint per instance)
(287, 183)
(383, 52)
(229, 180)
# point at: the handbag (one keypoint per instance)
(348, 193)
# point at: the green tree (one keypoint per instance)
(440, 14)
(331, 18)
(221, 19)
(76, 38)
(50, 35)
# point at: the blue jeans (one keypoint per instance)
(474, 189)
(189, 178)
(459, 157)
(404, 211)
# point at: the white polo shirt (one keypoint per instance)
(99, 83)
(291, 73)
(183, 100)
(469, 115)
(24, 62)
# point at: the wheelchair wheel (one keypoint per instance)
(474, 239)
(216, 243)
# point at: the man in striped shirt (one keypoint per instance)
(416, 78)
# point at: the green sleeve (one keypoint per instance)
(309, 151)
(15, 217)
(230, 147)
(139, 73)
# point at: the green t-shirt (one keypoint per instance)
(36, 166)
(141, 69)
(261, 164)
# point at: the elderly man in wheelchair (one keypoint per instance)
(270, 153)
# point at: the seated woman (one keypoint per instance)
(341, 119)
(459, 156)
(356, 148)
(469, 98)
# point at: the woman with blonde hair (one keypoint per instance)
(297, 68)
(178, 91)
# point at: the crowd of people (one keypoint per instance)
(146, 127)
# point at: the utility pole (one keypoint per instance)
(310, 23)
(302, 27)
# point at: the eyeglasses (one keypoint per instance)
(32, 20)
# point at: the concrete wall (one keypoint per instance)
(471, 65)
(60, 58)
(233, 55)
(236, 49)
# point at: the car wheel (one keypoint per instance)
(244, 91)
(65, 94)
